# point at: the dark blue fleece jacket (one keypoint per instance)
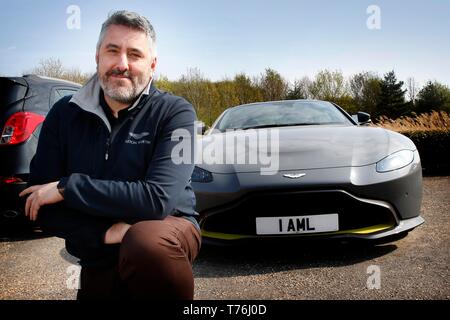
(123, 172)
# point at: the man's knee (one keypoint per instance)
(148, 241)
(153, 262)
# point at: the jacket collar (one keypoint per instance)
(88, 98)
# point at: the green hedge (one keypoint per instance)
(434, 150)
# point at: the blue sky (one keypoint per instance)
(225, 37)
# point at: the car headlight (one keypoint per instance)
(395, 161)
(201, 175)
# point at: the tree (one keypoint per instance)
(227, 96)
(434, 96)
(347, 103)
(392, 97)
(190, 87)
(300, 90)
(50, 67)
(328, 85)
(412, 88)
(199, 91)
(53, 67)
(273, 86)
(75, 75)
(247, 91)
(365, 90)
(163, 83)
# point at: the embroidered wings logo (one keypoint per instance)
(294, 175)
(137, 138)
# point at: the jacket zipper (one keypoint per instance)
(112, 135)
(107, 148)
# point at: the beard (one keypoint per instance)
(120, 91)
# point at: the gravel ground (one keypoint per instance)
(416, 267)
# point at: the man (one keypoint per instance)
(104, 180)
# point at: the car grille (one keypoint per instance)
(354, 213)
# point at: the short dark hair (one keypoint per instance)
(132, 20)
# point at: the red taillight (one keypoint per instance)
(19, 127)
(9, 180)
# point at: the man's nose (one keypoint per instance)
(122, 63)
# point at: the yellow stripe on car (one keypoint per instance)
(361, 231)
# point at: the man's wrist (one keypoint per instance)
(61, 191)
(61, 186)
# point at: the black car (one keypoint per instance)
(24, 103)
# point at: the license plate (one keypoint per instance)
(297, 224)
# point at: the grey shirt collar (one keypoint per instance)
(87, 98)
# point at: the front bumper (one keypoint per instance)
(391, 201)
(374, 233)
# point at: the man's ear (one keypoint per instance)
(96, 57)
(153, 65)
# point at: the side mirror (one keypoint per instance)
(363, 118)
(201, 127)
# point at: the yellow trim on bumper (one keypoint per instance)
(361, 231)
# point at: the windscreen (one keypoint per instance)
(284, 113)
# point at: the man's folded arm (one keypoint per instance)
(47, 166)
(73, 226)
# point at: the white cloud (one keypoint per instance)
(10, 48)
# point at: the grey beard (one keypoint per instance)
(121, 94)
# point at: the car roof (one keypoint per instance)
(43, 79)
(38, 97)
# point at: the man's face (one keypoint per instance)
(124, 63)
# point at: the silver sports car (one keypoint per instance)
(305, 168)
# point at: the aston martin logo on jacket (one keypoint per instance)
(137, 138)
(294, 175)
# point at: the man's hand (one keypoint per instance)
(40, 195)
(116, 232)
